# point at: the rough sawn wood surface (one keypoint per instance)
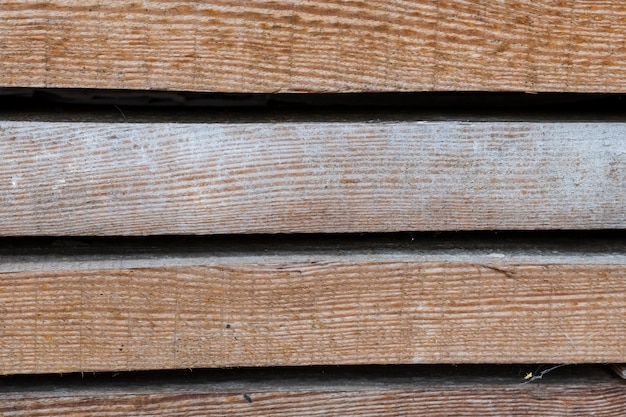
(408, 397)
(84, 178)
(315, 45)
(159, 311)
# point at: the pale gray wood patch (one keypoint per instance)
(68, 178)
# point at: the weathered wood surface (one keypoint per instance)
(314, 45)
(563, 400)
(205, 178)
(415, 395)
(146, 310)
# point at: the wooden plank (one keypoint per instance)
(355, 396)
(83, 178)
(146, 310)
(314, 45)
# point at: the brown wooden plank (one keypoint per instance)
(378, 396)
(71, 178)
(314, 45)
(160, 311)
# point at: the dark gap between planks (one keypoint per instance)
(528, 242)
(171, 106)
(326, 377)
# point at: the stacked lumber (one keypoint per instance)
(310, 245)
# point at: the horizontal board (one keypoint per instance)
(480, 395)
(314, 45)
(110, 312)
(88, 178)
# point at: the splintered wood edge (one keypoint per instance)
(307, 177)
(323, 396)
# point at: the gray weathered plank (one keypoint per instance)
(71, 178)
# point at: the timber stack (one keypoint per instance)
(316, 207)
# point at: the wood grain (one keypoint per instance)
(392, 307)
(315, 45)
(583, 400)
(82, 178)
(322, 396)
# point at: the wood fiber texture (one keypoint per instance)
(604, 398)
(83, 178)
(353, 308)
(315, 45)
